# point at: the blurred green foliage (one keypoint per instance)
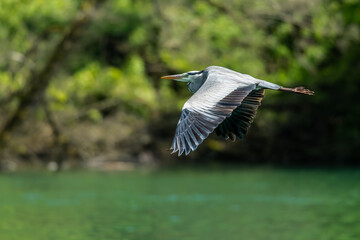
(119, 56)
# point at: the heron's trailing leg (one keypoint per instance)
(269, 85)
(300, 90)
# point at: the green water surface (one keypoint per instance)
(244, 204)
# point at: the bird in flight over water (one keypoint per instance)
(223, 100)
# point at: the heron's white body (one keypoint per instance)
(206, 88)
(223, 100)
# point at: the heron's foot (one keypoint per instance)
(300, 90)
(303, 90)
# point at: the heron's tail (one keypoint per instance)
(300, 90)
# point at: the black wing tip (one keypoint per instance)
(238, 124)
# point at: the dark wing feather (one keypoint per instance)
(242, 117)
(204, 111)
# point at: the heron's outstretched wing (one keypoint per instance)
(206, 109)
(241, 118)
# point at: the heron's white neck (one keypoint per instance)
(195, 82)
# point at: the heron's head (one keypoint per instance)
(185, 77)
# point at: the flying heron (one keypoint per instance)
(223, 100)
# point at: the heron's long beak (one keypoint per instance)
(177, 77)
